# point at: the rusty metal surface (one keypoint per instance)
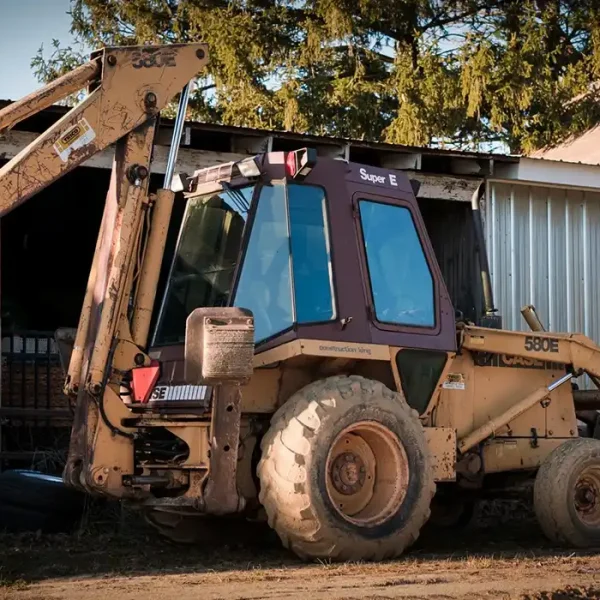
(136, 84)
(96, 443)
(73, 378)
(221, 494)
(115, 275)
(43, 98)
(441, 442)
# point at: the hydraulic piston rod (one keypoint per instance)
(163, 206)
(490, 427)
(177, 131)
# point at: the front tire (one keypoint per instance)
(345, 471)
(566, 495)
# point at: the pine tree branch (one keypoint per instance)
(442, 22)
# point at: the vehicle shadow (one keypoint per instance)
(133, 548)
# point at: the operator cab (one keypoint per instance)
(318, 249)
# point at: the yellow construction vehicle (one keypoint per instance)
(304, 363)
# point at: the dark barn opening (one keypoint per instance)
(47, 246)
(451, 230)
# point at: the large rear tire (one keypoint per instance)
(566, 494)
(345, 471)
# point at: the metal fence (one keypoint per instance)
(35, 416)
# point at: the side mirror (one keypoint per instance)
(219, 346)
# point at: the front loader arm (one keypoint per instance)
(128, 86)
(576, 352)
(573, 350)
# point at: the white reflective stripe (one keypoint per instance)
(180, 393)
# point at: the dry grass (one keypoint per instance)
(112, 543)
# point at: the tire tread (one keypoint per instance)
(302, 417)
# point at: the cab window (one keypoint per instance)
(203, 266)
(286, 273)
(401, 282)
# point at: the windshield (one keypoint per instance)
(204, 262)
(286, 276)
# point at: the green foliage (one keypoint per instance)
(457, 73)
(60, 61)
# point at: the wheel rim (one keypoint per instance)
(587, 496)
(367, 473)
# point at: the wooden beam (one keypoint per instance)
(38, 413)
(190, 160)
(397, 160)
(445, 187)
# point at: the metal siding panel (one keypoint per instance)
(592, 259)
(557, 262)
(538, 244)
(501, 276)
(575, 244)
(520, 254)
(544, 245)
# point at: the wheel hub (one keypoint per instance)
(586, 496)
(367, 473)
(348, 473)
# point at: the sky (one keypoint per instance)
(24, 26)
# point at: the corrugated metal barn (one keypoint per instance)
(543, 239)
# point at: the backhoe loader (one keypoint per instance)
(304, 363)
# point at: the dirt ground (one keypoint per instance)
(495, 559)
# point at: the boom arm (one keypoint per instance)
(127, 89)
(128, 86)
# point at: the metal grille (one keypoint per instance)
(34, 413)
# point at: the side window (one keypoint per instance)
(401, 282)
(265, 282)
(310, 254)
